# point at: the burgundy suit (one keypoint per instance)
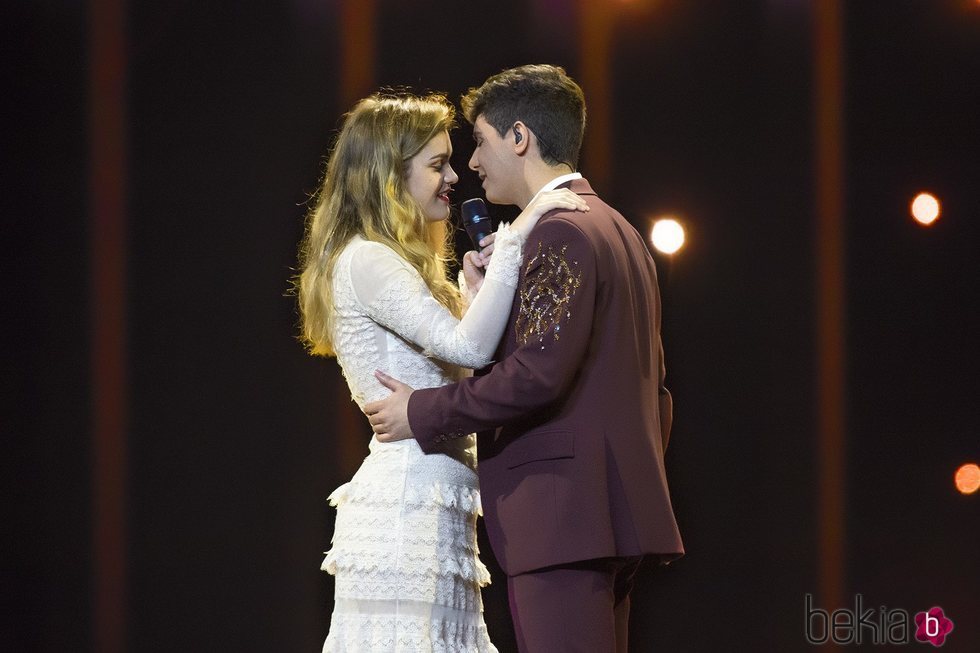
(574, 416)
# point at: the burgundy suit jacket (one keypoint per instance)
(573, 419)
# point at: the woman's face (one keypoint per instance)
(430, 177)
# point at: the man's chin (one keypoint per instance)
(493, 198)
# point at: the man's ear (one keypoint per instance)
(522, 138)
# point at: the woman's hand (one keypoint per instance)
(560, 198)
(474, 270)
(475, 264)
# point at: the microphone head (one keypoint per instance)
(476, 220)
(474, 210)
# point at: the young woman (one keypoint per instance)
(374, 292)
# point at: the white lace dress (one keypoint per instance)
(404, 554)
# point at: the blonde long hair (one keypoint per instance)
(363, 193)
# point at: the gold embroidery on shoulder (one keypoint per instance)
(546, 296)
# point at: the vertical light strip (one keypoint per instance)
(358, 54)
(358, 50)
(595, 61)
(107, 125)
(831, 382)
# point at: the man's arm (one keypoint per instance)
(557, 303)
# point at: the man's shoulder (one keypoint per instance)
(562, 223)
(590, 225)
(562, 229)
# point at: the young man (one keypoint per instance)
(574, 418)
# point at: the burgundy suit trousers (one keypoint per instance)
(579, 607)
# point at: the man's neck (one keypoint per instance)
(536, 177)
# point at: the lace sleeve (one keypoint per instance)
(394, 295)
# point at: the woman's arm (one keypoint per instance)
(394, 295)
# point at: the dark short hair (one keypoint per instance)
(541, 96)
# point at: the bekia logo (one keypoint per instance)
(932, 626)
(881, 626)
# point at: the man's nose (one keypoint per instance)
(474, 163)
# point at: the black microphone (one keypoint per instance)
(476, 221)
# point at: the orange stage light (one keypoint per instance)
(968, 478)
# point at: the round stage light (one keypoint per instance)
(968, 478)
(667, 235)
(925, 208)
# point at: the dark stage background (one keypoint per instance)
(234, 437)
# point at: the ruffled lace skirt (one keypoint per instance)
(404, 554)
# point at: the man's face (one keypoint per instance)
(495, 161)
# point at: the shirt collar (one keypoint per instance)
(558, 181)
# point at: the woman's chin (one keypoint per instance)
(438, 216)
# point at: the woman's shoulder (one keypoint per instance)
(364, 256)
(360, 247)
